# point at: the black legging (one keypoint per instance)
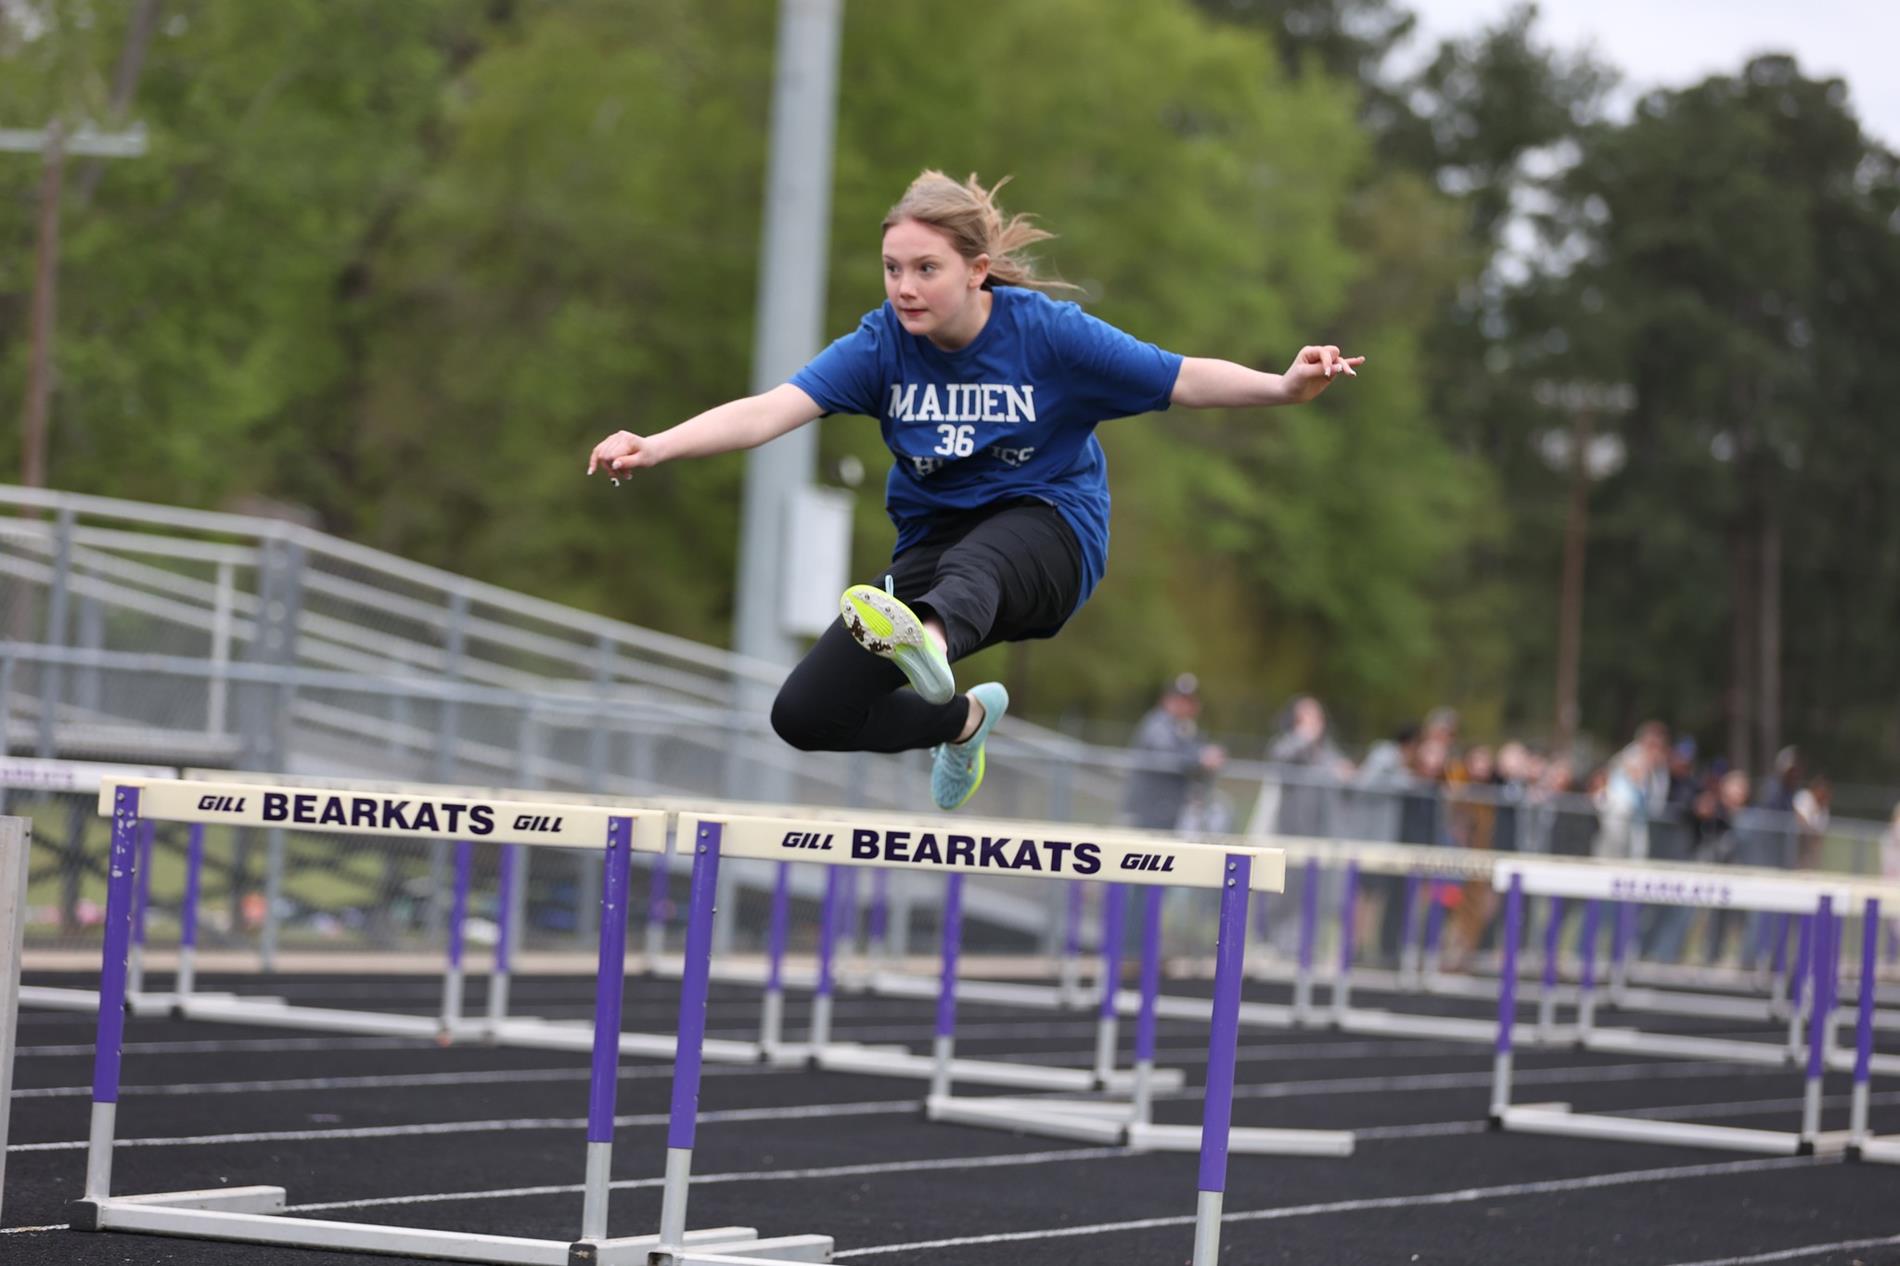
(1000, 574)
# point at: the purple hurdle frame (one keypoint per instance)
(1587, 972)
(1309, 931)
(505, 932)
(1142, 1105)
(141, 905)
(772, 1010)
(458, 926)
(1348, 906)
(1821, 1021)
(1857, 1131)
(188, 917)
(122, 872)
(1409, 952)
(1114, 919)
(1222, 1043)
(827, 949)
(1069, 987)
(1507, 1002)
(944, 1041)
(609, 985)
(1620, 950)
(1798, 993)
(1547, 983)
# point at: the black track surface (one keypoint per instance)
(1427, 1184)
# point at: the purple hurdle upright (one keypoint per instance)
(188, 917)
(1408, 934)
(1857, 1133)
(1142, 1107)
(683, 1120)
(1348, 905)
(944, 1041)
(141, 904)
(1114, 917)
(1434, 930)
(1223, 1038)
(1309, 931)
(1798, 994)
(1547, 984)
(1507, 1002)
(505, 932)
(609, 984)
(458, 927)
(1625, 935)
(1821, 1020)
(1587, 979)
(772, 1012)
(827, 948)
(1071, 972)
(122, 870)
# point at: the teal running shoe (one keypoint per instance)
(956, 769)
(884, 626)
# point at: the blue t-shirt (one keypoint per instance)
(1011, 416)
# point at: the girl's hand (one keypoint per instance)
(1314, 369)
(621, 452)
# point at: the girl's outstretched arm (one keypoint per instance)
(1221, 384)
(744, 423)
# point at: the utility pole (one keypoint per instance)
(791, 307)
(52, 144)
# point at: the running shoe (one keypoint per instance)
(884, 626)
(956, 769)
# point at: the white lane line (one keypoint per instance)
(889, 1107)
(1788, 1254)
(31, 1230)
(757, 1175)
(1467, 1195)
(390, 1081)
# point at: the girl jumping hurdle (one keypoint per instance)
(988, 392)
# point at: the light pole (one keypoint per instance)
(52, 144)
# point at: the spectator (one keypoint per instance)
(1373, 805)
(1812, 806)
(1637, 785)
(1717, 825)
(1171, 757)
(1777, 798)
(1308, 790)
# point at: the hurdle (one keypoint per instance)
(1518, 878)
(83, 778)
(16, 839)
(869, 841)
(1131, 1124)
(496, 1026)
(254, 1213)
(1862, 1143)
(941, 1065)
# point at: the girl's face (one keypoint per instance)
(932, 287)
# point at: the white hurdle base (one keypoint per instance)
(253, 1215)
(781, 1249)
(1263, 1015)
(1688, 1046)
(898, 1061)
(53, 998)
(1444, 1027)
(525, 1032)
(1097, 1122)
(1525, 1120)
(1879, 1151)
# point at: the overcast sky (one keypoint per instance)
(1671, 43)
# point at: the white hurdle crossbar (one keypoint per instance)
(867, 841)
(252, 1214)
(1636, 884)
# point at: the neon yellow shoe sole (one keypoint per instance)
(884, 626)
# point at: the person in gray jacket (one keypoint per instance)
(1171, 756)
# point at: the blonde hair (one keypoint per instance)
(967, 214)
